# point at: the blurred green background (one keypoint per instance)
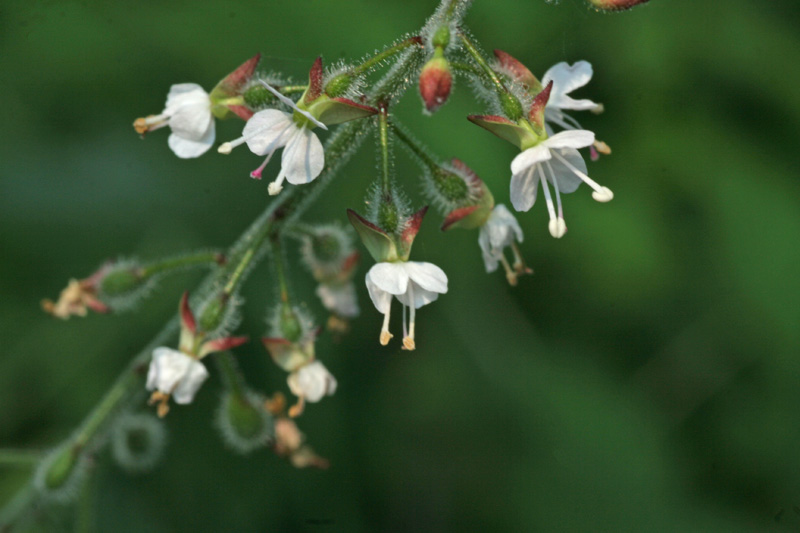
(644, 379)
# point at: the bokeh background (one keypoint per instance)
(644, 379)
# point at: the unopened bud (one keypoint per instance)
(510, 106)
(243, 421)
(616, 5)
(257, 96)
(435, 81)
(338, 85)
(60, 475)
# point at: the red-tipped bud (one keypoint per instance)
(616, 5)
(536, 114)
(315, 76)
(435, 82)
(517, 70)
(412, 227)
(187, 317)
(231, 86)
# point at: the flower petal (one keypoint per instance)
(268, 130)
(190, 148)
(314, 382)
(421, 296)
(570, 139)
(188, 386)
(303, 158)
(501, 215)
(489, 259)
(565, 179)
(167, 368)
(427, 275)
(523, 188)
(566, 79)
(530, 157)
(389, 277)
(339, 299)
(381, 299)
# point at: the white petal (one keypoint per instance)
(191, 120)
(389, 277)
(167, 368)
(303, 158)
(569, 139)
(187, 387)
(339, 299)
(530, 157)
(427, 275)
(421, 296)
(268, 130)
(314, 381)
(188, 148)
(566, 180)
(381, 299)
(501, 215)
(566, 79)
(182, 93)
(489, 258)
(523, 188)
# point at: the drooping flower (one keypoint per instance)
(500, 231)
(189, 112)
(180, 373)
(303, 156)
(289, 441)
(78, 297)
(547, 159)
(308, 378)
(413, 283)
(566, 78)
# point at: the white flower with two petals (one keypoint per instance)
(312, 382)
(176, 374)
(413, 283)
(303, 156)
(188, 115)
(500, 231)
(555, 160)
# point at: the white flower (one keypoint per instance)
(413, 283)
(312, 382)
(188, 115)
(339, 298)
(303, 157)
(566, 79)
(502, 230)
(173, 373)
(555, 160)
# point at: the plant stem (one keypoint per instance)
(415, 148)
(383, 127)
(20, 458)
(384, 55)
(180, 261)
(232, 377)
(479, 59)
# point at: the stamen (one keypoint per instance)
(511, 276)
(256, 174)
(602, 147)
(599, 108)
(519, 264)
(553, 225)
(150, 123)
(558, 191)
(408, 340)
(291, 104)
(297, 409)
(601, 194)
(385, 335)
(558, 226)
(277, 186)
(162, 399)
(225, 148)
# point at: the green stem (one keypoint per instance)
(181, 261)
(384, 146)
(232, 377)
(100, 413)
(479, 59)
(415, 148)
(280, 268)
(384, 55)
(466, 68)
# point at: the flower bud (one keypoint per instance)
(226, 97)
(243, 421)
(435, 81)
(615, 5)
(138, 442)
(257, 97)
(61, 474)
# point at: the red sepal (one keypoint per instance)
(314, 82)
(457, 214)
(187, 317)
(413, 225)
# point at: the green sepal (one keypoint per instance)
(336, 110)
(120, 281)
(520, 134)
(520, 72)
(226, 97)
(289, 355)
(61, 468)
(245, 418)
(380, 246)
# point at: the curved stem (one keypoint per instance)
(172, 263)
(383, 128)
(384, 55)
(481, 61)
